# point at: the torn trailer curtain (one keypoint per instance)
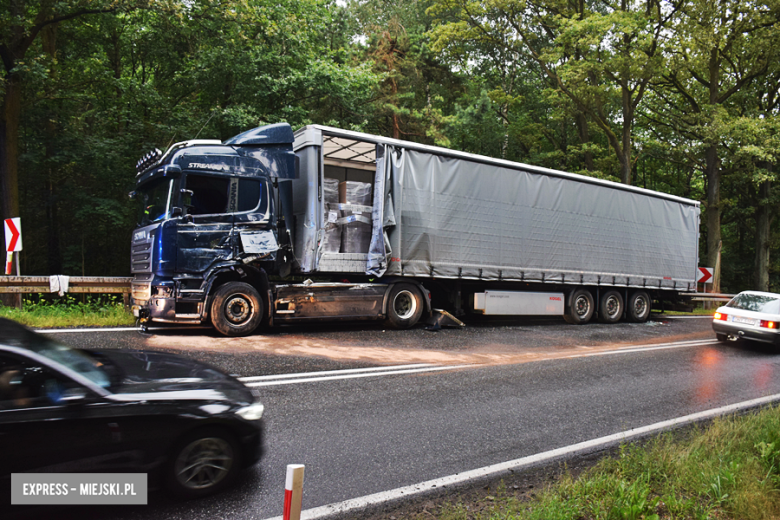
(449, 214)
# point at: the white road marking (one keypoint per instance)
(646, 348)
(118, 329)
(522, 463)
(355, 376)
(331, 372)
(351, 373)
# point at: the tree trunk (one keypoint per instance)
(625, 152)
(713, 203)
(49, 188)
(9, 146)
(763, 223)
(584, 135)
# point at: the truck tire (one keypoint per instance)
(638, 308)
(610, 307)
(404, 306)
(236, 309)
(581, 307)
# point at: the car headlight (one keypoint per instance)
(253, 412)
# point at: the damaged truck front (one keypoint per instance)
(389, 229)
(208, 229)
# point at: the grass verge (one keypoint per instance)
(729, 469)
(69, 311)
(697, 311)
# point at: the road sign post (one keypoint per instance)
(13, 243)
(704, 277)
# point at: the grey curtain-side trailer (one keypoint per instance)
(390, 229)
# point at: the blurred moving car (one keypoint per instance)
(62, 409)
(750, 315)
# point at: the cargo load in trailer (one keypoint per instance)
(235, 232)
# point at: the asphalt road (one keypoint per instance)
(522, 387)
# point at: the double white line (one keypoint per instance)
(352, 373)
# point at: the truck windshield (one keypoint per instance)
(154, 201)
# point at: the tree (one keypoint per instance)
(719, 49)
(115, 85)
(601, 56)
(21, 24)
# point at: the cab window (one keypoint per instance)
(209, 194)
(248, 194)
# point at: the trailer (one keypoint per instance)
(275, 227)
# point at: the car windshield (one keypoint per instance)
(71, 358)
(154, 201)
(755, 302)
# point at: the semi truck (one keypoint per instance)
(277, 227)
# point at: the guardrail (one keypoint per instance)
(708, 297)
(70, 284)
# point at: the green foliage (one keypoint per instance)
(69, 311)
(107, 88)
(728, 469)
(680, 97)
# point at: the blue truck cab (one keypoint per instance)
(209, 214)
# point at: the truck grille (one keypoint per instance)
(141, 257)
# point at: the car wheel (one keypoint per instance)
(581, 307)
(404, 306)
(236, 309)
(638, 309)
(723, 338)
(203, 462)
(610, 307)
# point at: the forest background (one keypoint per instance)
(676, 96)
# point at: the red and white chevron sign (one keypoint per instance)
(13, 234)
(705, 275)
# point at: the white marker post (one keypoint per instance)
(293, 492)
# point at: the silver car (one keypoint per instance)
(750, 315)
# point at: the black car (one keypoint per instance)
(62, 409)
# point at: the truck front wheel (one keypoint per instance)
(404, 306)
(236, 309)
(581, 307)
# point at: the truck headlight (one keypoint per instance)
(253, 412)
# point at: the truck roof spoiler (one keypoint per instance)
(279, 133)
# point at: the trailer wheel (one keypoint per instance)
(638, 309)
(611, 307)
(236, 309)
(581, 307)
(404, 306)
